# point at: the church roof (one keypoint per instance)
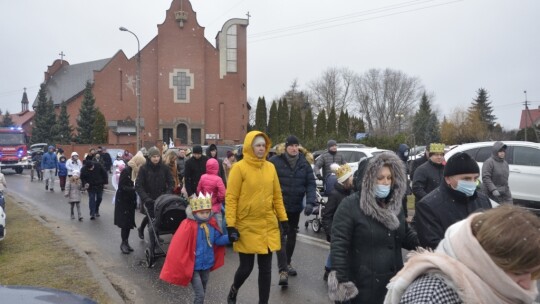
(70, 80)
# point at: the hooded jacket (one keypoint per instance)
(254, 201)
(195, 168)
(495, 173)
(295, 182)
(153, 180)
(427, 178)
(367, 238)
(211, 183)
(221, 171)
(125, 200)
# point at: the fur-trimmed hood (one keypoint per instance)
(387, 216)
(280, 149)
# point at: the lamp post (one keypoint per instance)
(138, 84)
(399, 116)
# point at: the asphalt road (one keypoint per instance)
(134, 281)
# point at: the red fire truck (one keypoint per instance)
(13, 141)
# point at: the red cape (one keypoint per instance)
(180, 260)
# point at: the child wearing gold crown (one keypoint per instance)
(196, 248)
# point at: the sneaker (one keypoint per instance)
(283, 278)
(292, 271)
(97, 214)
(80, 219)
(231, 298)
(52, 190)
(92, 217)
(72, 217)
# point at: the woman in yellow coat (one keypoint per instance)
(254, 210)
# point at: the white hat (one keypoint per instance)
(119, 154)
(258, 140)
(74, 154)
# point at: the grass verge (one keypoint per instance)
(33, 255)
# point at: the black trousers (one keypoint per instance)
(288, 241)
(247, 262)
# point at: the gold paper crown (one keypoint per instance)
(202, 202)
(436, 148)
(343, 170)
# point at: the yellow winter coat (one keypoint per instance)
(253, 201)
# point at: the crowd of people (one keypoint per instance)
(457, 241)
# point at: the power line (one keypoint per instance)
(351, 22)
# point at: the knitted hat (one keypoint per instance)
(331, 143)
(197, 149)
(229, 154)
(460, 163)
(153, 151)
(258, 140)
(202, 202)
(291, 140)
(343, 173)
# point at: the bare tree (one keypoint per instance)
(332, 89)
(386, 99)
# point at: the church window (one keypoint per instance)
(232, 49)
(182, 82)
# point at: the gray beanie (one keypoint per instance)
(153, 151)
(331, 143)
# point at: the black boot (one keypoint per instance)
(141, 232)
(129, 247)
(124, 247)
(231, 298)
(326, 273)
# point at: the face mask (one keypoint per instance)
(466, 187)
(382, 191)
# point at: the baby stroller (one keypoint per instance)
(316, 223)
(169, 211)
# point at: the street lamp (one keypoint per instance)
(138, 84)
(399, 116)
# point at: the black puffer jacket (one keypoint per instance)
(221, 172)
(125, 201)
(427, 178)
(335, 198)
(153, 180)
(195, 168)
(295, 182)
(95, 177)
(440, 209)
(367, 238)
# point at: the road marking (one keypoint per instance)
(306, 239)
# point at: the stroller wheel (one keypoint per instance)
(316, 225)
(149, 257)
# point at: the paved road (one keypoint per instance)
(100, 239)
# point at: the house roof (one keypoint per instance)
(70, 80)
(21, 118)
(526, 121)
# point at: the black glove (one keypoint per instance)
(308, 210)
(319, 176)
(233, 233)
(284, 227)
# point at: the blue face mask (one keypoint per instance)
(466, 187)
(382, 191)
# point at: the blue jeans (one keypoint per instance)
(94, 200)
(198, 282)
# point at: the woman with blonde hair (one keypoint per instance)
(490, 257)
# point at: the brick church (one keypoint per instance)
(191, 91)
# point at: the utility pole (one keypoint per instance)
(526, 103)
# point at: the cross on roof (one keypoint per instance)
(62, 56)
(248, 15)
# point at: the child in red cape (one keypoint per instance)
(196, 248)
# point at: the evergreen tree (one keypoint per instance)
(44, 118)
(331, 123)
(283, 117)
(356, 125)
(100, 133)
(308, 124)
(273, 122)
(87, 116)
(483, 106)
(260, 115)
(7, 121)
(295, 122)
(425, 123)
(63, 131)
(343, 126)
(320, 129)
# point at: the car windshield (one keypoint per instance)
(10, 139)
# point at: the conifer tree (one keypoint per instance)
(295, 122)
(331, 123)
(343, 126)
(320, 129)
(425, 123)
(260, 115)
(273, 122)
(308, 124)
(484, 108)
(87, 116)
(63, 131)
(356, 125)
(100, 133)
(7, 121)
(283, 117)
(44, 118)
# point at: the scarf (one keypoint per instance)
(291, 159)
(135, 163)
(463, 262)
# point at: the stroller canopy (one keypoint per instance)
(167, 202)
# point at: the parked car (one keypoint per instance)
(221, 150)
(524, 161)
(350, 145)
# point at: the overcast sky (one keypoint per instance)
(454, 47)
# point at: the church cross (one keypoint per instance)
(181, 81)
(248, 15)
(62, 56)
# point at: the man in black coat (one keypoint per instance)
(428, 176)
(297, 181)
(454, 200)
(195, 168)
(94, 178)
(153, 180)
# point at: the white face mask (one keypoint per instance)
(382, 191)
(466, 187)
